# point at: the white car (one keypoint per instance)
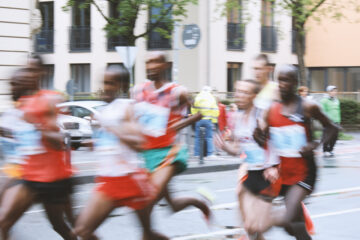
(77, 129)
(77, 119)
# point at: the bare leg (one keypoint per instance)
(95, 212)
(55, 214)
(16, 200)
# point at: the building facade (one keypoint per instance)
(332, 52)
(74, 44)
(15, 41)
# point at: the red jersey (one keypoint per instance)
(156, 102)
(287, 137)
(42, 163)
(222, 118)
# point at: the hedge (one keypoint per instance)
(350, 111)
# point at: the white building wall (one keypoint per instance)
(206, 64)
(15, 42)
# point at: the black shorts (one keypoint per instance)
(57, 192)
(255, 181)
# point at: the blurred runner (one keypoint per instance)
(254, 191)
(120, 182)
(46, 171)
(287, 125)
(160, 108)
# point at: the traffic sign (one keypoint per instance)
(191, 36)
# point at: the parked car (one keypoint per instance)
(82, 109)
(75, 128)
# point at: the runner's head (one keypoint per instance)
(116, 82)
(156, 66)
(18, 89)
(262, 68)
(36, 66)
(246, 91)
(287, 81)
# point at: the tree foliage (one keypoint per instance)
(169, 12)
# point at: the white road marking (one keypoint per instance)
(213, 234)
(335, 213)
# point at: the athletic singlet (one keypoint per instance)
(287, 137)
(42, 163)
(115, 158)
(257, 158)
(155, 109)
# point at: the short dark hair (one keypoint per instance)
(263, 57)
(255, 83)
(37, 58)
(289, 70)
(120, 72)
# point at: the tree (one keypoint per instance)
(123, 24)
(301, 11)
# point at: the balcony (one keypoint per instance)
(268, 39)
(235, 36)
(80, 40)
(112, 42)
(44, 41)
(157, 41)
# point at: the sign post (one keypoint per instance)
(128, 55)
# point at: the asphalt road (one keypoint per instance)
(334, 206)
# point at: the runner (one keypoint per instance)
(120, 181)
(160, 108)
(288, 127)
(45, 172)
(256, 159)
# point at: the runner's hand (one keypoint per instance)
(271, 174)
(219, 142)
(308, 150)
(260, 135)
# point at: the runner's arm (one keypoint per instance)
(261, 132)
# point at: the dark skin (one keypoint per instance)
(156, 67)
(292, 218)
(17, 199)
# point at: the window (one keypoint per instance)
(47, 82)
(80, 31)
(80, 73)
(268, 31)
(44, 41)
(233, 75)
(317, 79)
(336, 77)
(353, 79)
(114, 41)
(80, 112)
(235, 29)
(157, 40)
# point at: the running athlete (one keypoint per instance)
(256, 158)
(287, 126)
(160, 106)
(46, 171)
(120, 181)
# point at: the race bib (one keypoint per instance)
(288, 140)
(153, 118)
(106, 142)
(254, 154)
(30, 142)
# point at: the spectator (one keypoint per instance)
(205, 103)
(303, 92)
(331, 107)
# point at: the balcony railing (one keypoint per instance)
(235, 36)
(80, 39)
(44, 41)
(157, 41)
(268, 39)
(116, 41)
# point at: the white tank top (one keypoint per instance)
(257, 158)
(115, 158)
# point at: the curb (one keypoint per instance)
(85, 179)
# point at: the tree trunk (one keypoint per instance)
(300, 52)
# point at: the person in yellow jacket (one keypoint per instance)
(205, 104)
